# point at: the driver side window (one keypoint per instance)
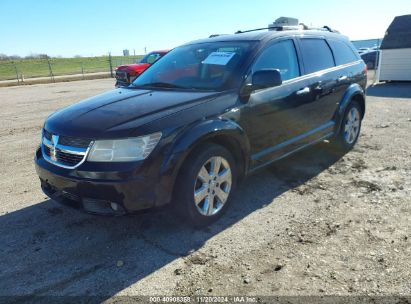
(281, 56)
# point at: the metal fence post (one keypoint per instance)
(51, 71)
(17, 72)
(82, 69)
(111, 64)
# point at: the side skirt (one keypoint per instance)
(283, 146)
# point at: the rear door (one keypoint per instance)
(345, 73)
(319, 68)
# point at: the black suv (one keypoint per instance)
(200, 119)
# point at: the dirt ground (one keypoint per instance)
(315, 224)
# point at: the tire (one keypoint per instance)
(197, 176)
(350, 128)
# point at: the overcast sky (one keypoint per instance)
(95, 27)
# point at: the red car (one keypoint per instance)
(125, 74)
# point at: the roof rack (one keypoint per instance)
(301, 27)
(287, 24)
(258, 29)
(216, 35)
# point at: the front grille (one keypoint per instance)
(121, 76)
(74, 142)
(70, 141)
(47, 134)
(64, 151)
(64, 158)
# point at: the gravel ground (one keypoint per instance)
(315, 224)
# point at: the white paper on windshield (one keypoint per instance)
(219, 58)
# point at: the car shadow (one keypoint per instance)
(390, 89)
(48, 249)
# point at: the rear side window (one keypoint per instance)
(342, 52)
(316, 55)
(281, 56)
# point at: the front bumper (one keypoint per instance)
(115, 192)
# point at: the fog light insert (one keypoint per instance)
(114, 206)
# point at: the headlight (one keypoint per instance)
(123, 150)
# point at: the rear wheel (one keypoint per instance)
(350, 128)
(204, 187)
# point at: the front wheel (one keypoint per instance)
(204, 187)
(350, 128)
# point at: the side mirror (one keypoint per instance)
(266, 78)
(261, 79)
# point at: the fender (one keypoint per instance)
(187, 140)
(352, 91)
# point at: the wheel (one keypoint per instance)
(205, 184)
(350, 128)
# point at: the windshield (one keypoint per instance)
(203, 66)
(150, 58)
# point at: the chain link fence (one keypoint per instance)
(25, 69)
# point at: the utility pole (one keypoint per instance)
(145, 50)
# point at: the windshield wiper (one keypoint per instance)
(169, 86)
(163, 85)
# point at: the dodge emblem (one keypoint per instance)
(53, 151)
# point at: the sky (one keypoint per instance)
(95, 27)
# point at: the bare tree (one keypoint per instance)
(14, 57)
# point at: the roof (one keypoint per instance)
(398, 34)
(263, 35)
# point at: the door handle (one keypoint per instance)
(342, 78)
(303, 91)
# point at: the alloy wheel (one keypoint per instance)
(352, 125)
(212, 186)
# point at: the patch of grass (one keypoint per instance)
(60, 66)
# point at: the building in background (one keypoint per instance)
(126, 53)
(395, 56)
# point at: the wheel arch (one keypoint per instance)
(223, 132)
(354, 93)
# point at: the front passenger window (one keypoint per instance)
(281, 56)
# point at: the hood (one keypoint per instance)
(133, 67)
(121, 111)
